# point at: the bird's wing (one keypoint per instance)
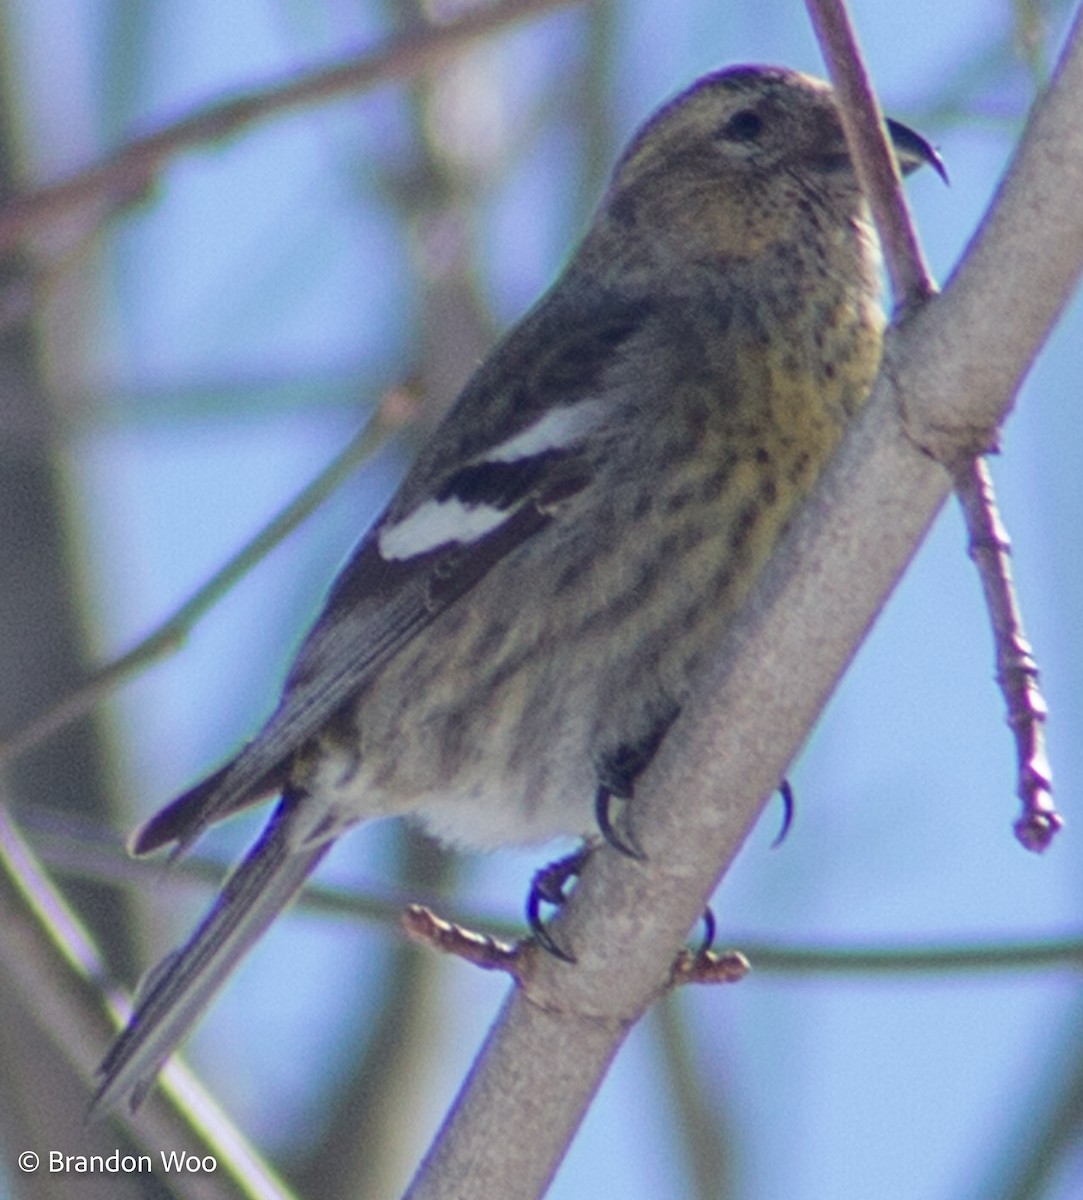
(420, 559)
(436, 541)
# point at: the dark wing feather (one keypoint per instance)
(374, 608)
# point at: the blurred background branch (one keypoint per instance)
(98, 192)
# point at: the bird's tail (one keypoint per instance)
(183, 984)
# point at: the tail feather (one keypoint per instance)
(184, 984)
(185, 818)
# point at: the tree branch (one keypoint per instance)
(1010, 287)
(395, 410)
(866, 134)
(553, 1042)
(96, 192)
(1017, 671)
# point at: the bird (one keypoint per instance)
(508, 645)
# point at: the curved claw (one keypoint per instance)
(710, 928)
(548, 888)
(624, 841)
(789, 805)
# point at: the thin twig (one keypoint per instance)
(516, 958)
(1029, 954)
(173, 632)
(423, 926)
(1017, 673)
(129, 172)
(709, 966)
(1016, 670)
(701, 1101)
(876, 167)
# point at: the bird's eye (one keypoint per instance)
(744, 126)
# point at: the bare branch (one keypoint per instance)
(393, 412)
(1017, 672)
(423, 926)
(1009, 289)
(709, 966)
(1023, 954)
(867, 136)
(95, 193)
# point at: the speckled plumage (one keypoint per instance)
(718, 328)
